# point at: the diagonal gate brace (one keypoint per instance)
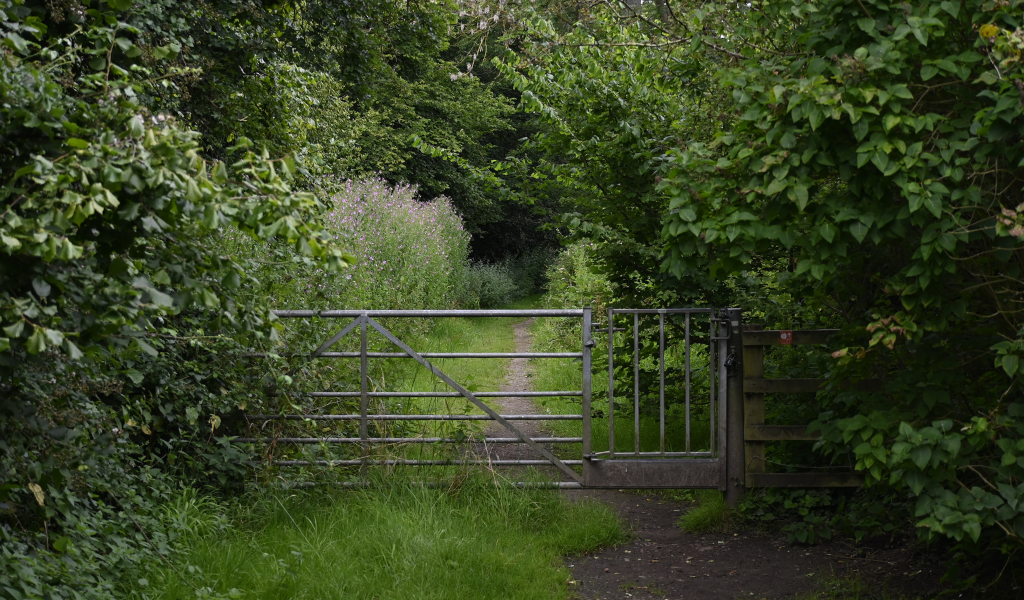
(472, 398)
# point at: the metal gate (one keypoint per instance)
(613, 467)
(661, 468)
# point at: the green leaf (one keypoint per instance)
(77, 143)
(859, 230)
(5, 344)
(933, 204)
(37, 341)
(135, 127)
(1010, 362)
(159, 298)
(120, 4)
(142, 345)
(73, 352)
(868, 25)
(134, 375)
(220, 173)
(928, 71)
(41, 287)
(801, 195)
(14, 330)
(827, 232)
(921, 455)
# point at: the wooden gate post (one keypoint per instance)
(734, 467)
(753, 408)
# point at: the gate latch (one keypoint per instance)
(730, 363)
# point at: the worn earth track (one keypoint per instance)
(662, 561)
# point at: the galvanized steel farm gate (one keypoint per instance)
(711, 334)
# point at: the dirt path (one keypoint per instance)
(662, 561)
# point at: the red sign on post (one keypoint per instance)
(786, 338)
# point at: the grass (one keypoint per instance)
(710, 515)
(465, 539)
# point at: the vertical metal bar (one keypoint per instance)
(611, 384)
(588, 342)
(711, 380)
(364, 399)
(686, 352)
(636, 382)
(661, 382)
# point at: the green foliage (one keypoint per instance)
(467, 537)
(114, 296)
(867, 172)
(492, 285)
(604, 131)
(810, 516)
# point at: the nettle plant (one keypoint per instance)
(878, 145)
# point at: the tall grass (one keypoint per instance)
(465, 539)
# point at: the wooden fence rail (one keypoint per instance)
(756, 432)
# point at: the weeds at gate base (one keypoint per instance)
(711, 514)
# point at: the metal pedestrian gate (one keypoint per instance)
(663, 424)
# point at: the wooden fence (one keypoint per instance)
(756, 432)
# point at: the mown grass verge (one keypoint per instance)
(466, 538)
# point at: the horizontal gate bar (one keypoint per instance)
(399, 440)
(330, 314)
(414, 417)
(431, 355)
(619, 454)
(659, 311)
(414, 463)
(442, 394)
(558, 485)
(457, 355)
(646, 473)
